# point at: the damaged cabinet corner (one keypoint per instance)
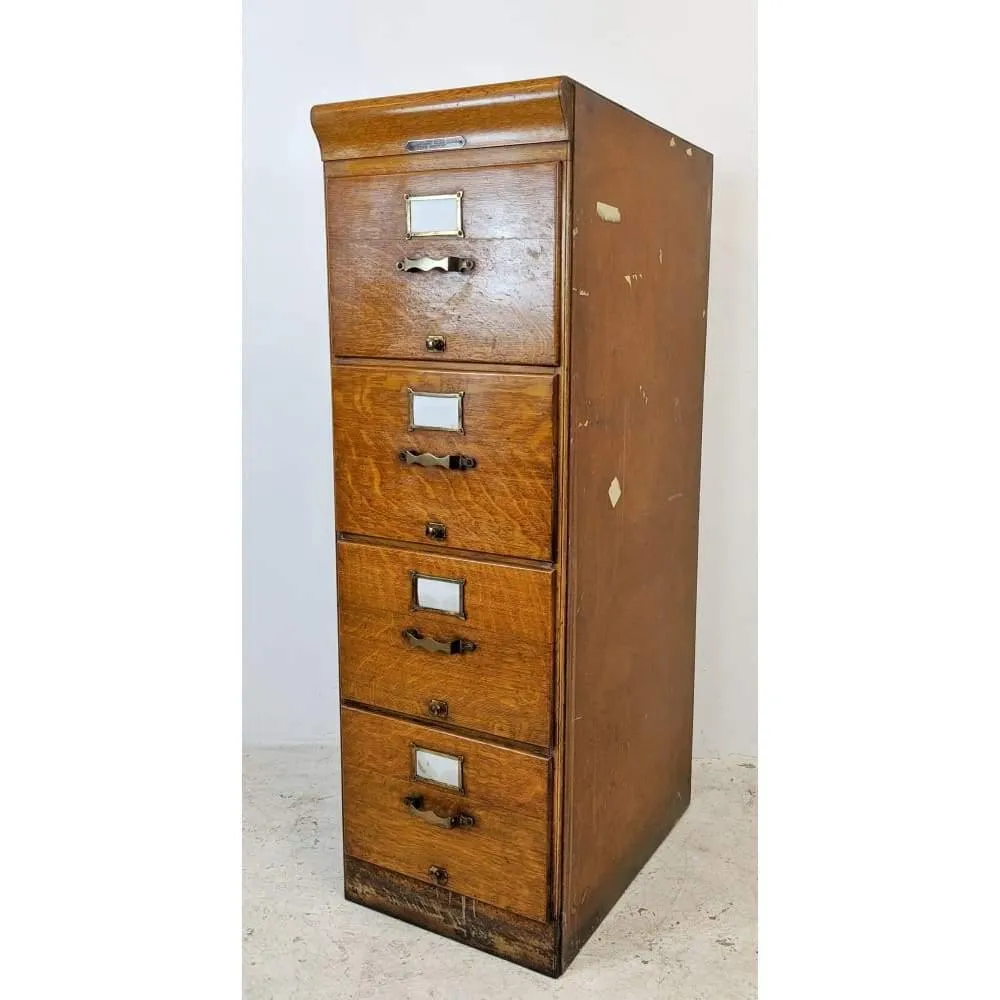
(516, 501)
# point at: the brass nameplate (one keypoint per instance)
(426, 145)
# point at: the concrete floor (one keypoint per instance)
(685, 929)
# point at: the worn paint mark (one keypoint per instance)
(704, 313)
(677, 410)
(586, 423)
(661, 255)
(608, 213)
(584, 292)
(628, 280)
(576, 229)
(675, 496)
(642, 392)
(688, 151)
(615, 492)
(673, 141)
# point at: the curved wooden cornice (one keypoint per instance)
(503, 114)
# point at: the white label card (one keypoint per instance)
(435, 411)
(437, 767)
(434, 215)
(439, 595)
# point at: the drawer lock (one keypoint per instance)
(438, 874)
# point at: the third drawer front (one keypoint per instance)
(448, 810)
(447, 639)
(461, 459)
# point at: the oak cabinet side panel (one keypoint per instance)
(641, 219)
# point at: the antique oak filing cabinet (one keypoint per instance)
(518, 288)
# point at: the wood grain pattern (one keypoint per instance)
(636, 378)
(458, 159)
(526, 111)
(503, 310)
(504, 505)
(502, 860)
(503, 688)
(530, 943)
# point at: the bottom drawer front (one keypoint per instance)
(398, 821)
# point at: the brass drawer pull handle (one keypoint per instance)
(415, 804)
(451, 646)
(428, 461)
(461, 264)
(434, 343)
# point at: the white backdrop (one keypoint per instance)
(687, 65)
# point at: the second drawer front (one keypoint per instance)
(502, 858)
(502, 686)
(502, 505)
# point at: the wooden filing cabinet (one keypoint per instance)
(518, 293)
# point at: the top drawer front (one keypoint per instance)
(503, 310)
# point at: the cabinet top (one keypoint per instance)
(502, 114)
